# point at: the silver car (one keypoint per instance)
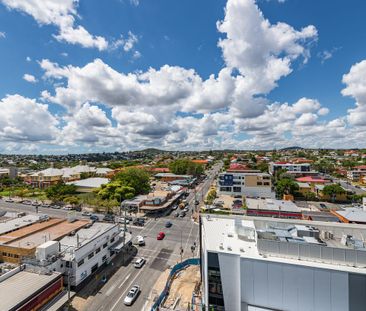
(132, 295)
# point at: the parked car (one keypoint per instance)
(138, 222)
(196, 202)
(35, 203)
(67, 208)
(182, 214)
(45, 205)
(322, 205)
(168, 224)
(27, 202)
(177, 214)
(122, 220)
(9, 200)
(132, 295)
(55, 206)
(108, 218)
(85, 213)
(94, 217)
(174, 207)
(139, 262)
(161, 235)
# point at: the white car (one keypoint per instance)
(132, 295)
(139, 262)
(140, 240)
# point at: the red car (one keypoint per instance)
(160, 236)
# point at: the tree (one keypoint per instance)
(60, 191)
(333, 190)
(186, 166)
(211, 196)
(286, 186)
(136, 178)
(73, 200)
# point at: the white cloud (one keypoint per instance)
(29, 78)
(24, 120)
(135, 2)
(62, 14)
(127, 43)
(356, 87)
(2, 35)
(28, 59)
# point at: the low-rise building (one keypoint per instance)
(357, 173)
(249, 184)
(351, 215)
(256, 263)
(89, 184)
(272, 208)
(289, 167)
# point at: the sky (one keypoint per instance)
(91, 76)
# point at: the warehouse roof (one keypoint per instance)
(95, 182)
(16, 223)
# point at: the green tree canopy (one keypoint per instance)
(333, 190)
(186, 166)
(286, 186)
(60, 191)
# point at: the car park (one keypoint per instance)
(132, 295)
(139, 262)
(161, 236)
(168, 224)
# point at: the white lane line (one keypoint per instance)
(123, 282)
(145, 305)
(127, 288)
(190, 232)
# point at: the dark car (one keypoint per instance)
(168, 224)
(94, 218)
(322, 205)
(138, 222)
(108, 218)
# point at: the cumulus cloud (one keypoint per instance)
(25, 120)
(61, 14)
(356, 87)
(29, 78)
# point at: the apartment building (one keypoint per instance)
(250, 184)
(289, 167)
(357, 173)
(257, 263)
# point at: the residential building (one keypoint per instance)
(11, 172)
(257, 263)
(357, 173)
(289, 167)
(272, 208)
(249, 184)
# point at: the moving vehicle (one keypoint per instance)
(132, 295)
(168, 224)
(139, 222)
(161, 235)
(140, 240)
(139, 262)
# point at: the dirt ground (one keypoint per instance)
(182, 287)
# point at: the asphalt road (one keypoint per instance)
(159, 255)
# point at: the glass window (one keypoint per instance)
(97, 250)
(105, 245)
(80, 262)
(91, 255)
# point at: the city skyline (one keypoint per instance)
(84, 76)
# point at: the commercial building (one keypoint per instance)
(289, 167)
(272, 208)
(253, 263)
(351, 215)
(89, 184)
(20, 244)
(22, 290)
(88, 249)
(249, 184)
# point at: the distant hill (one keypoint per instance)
(292, 148)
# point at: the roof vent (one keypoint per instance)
(230, 234)
(242, 250)
(221, 246)
(229, 248)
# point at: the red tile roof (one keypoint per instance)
(311, 179)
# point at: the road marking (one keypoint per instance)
(190, 232)
(126, 278)
(120, 297)
(145, 305)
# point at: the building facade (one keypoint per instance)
(259, 264)
(253, 184)
(290, 167)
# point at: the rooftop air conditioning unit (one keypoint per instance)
(229, 248)
(230, 234)
(221, 246)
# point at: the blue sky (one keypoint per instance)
(87, 76)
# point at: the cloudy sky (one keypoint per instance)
(90, 75)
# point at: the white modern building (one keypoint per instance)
(249, 184)
(89, 249)
(253, 263)
(289, 167)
